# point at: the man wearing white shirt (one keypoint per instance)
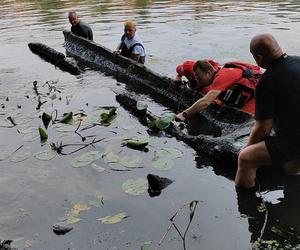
(131, 45)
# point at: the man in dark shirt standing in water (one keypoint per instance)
(79, 27)
(277, 101)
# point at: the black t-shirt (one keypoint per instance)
(83, 29)
(277, 97)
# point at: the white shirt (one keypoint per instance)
(137, 49)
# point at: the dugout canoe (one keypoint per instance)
(224, 129)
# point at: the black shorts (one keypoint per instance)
(281, 150)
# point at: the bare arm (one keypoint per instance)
(135, 57)
(260, 130)
(203, 102)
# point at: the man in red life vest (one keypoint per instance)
(186, 69)
(233, 84)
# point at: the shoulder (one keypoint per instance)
(137, 39)
(84, 25)
(228, 74)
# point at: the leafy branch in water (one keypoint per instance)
(192, 207)
(58, 147)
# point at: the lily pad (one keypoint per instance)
(164, 121)
(31, 136)
(140, 105)
(113, 219)
(85, 159)
(5, 124)
(171, 153)
(133, 161)
(4, 154)
(20, 156)
(43, 135)
(116, 166)
(135, 187)
(73, 214)
(111, 157)
(45, 155)
(65, 128)
(97, 167)
(107, 118)
(67, 118)
(137, 143)
(163, 163)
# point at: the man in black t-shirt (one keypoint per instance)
(277, 101)
(79, 27)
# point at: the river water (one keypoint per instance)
(37, 194)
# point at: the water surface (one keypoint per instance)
(36, 194)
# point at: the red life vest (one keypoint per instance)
(237, 81)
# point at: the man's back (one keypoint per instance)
(278, 96)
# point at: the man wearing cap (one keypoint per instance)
(80, 28)
(186, 70)
(277, 100)
(131, 45)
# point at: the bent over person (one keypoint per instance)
(80, 28)
(277, 101)
(131, 45)
(233, 84)
(186, 70)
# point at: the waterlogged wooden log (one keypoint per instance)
(56, 58)
(224, 148)
(141, 79)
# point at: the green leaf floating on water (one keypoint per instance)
(43, 135)
(113, 219)
(45, 155)
(140, 105)
(135, 187)
(137, 143)
(163, 163)
(171, 153)
(107, 118)
(72, 215)
(116, 166)
(85, 159)
(20, 156)
(67, 118)
(132, 161)
(164, 121)
(111, 157)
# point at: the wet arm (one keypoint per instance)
(203, 102)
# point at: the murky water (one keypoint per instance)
(36, 194)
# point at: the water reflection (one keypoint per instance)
(269, 221)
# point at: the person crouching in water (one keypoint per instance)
(131, 45)
(233, 84)
(186, 70)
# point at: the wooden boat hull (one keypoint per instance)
(232, 126)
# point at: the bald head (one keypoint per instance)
(265, 49)
(73, 18)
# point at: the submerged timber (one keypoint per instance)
(225, 129)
